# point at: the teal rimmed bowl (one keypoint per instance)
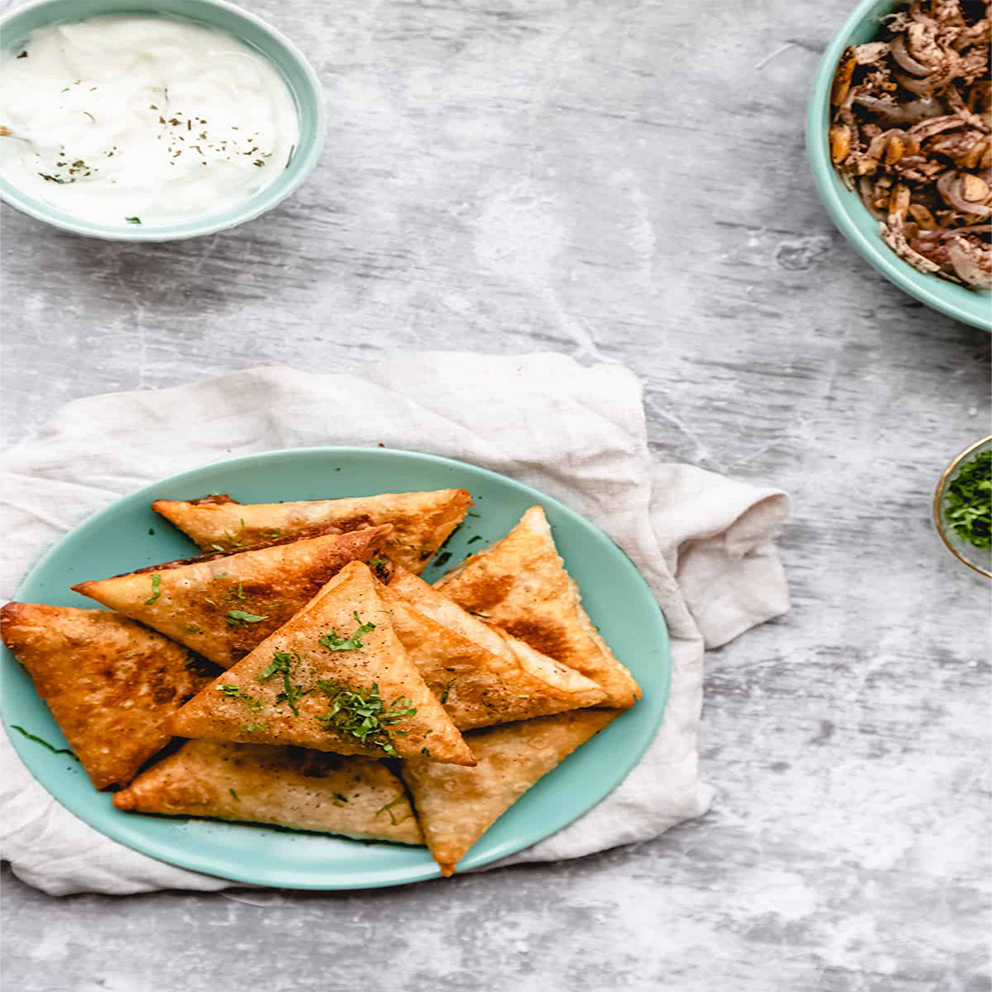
(845, 207)
(288, 60)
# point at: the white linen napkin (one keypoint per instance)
(703, 542)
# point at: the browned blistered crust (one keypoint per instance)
(111, 684)
(421, 521)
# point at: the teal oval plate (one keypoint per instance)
(129, 535)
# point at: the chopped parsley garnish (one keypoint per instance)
(280, 665)
(388, 808)
(363, 714)
(236, 592)
(240, 618)
(220, 575)
(340, 798)
(194, 628)
(274, 533)
(207, 599)
(425, 751)
(447, 689)
(234, 795)
(478, 537)
(133, 220)
(156, 589)
(471, 514)
(234, 692)
(333, 641)
(968, 501)
(443, 558)
(44, 743)
(252, 727)
(151, 530)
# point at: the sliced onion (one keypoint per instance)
(898, 48)
(915, 85)
(971, 262)
(967, 229)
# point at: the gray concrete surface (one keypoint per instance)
(615, 179)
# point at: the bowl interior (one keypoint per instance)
(845, 207)
(980, 559)
(303, 85)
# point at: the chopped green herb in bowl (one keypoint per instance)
(963, 507)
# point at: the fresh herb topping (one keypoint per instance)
(340, 798)
(220, 575)
(280, 665)
(447, 689)
(252, 727)
(236, 592)
(133, 220)
(425, 751)
(240, 618)
(443, 558)
(156, 590)
(388, 808)
(234, 795)
(363, 714)
(151, 530)
(194, 628)
(274, 533)
(968, 501)
(333, 641)
(478, 537)
(44, 743)
(234, 692)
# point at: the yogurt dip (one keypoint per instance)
(144, 120)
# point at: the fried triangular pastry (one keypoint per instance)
(482, 675)
(331, 681)
(520, 584)
(222, 606)
(111, 684)
(456, 806)
(421, 522)
(286, 786)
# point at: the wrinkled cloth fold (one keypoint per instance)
(703, 542)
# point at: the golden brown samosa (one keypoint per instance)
(287, 786)
(111, 684)
(222, 606)
(421, 522)
(334, 678)
(482, 675)
(457, 805)
(520, 584)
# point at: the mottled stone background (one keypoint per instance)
(625, 180)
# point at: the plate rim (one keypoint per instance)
(331, 879)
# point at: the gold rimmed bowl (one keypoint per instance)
(977, 559)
